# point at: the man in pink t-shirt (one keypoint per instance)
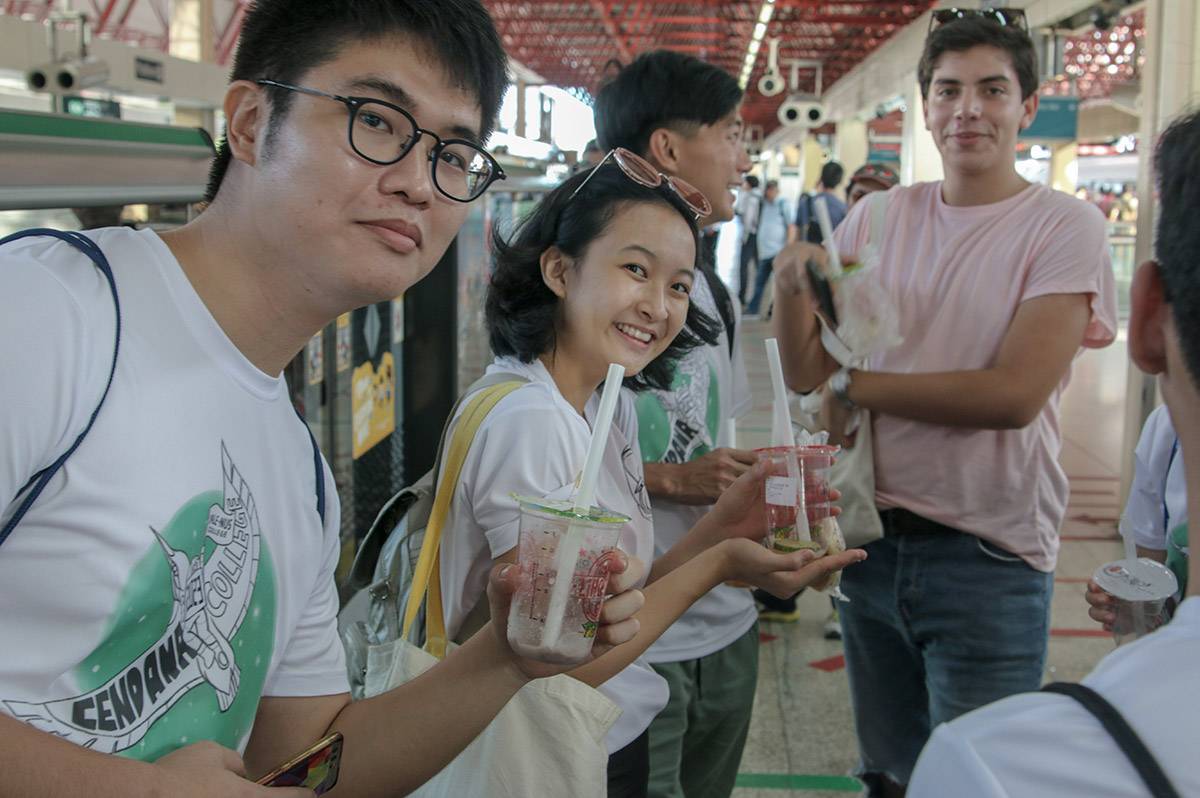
(998, 284)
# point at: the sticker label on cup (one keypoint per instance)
(781, 491)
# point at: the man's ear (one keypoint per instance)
(246, 115)
(1148, 318)
(555, 264)
(663, 150)
(1031, 109)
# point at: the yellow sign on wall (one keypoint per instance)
(372, 404)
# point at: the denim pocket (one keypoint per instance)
(995, 552)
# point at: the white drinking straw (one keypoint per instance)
(782, 434)
(570, 545)
(826, 225)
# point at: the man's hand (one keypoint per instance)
(617, 624)
(208, 770)
(791, 275)
(703, 480)
(834, 417)
(780, 574)
(1102, 607)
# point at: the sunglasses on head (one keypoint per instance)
(642, 172)
(1004, 17)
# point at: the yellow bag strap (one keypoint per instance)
(427, 582)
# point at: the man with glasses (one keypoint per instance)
(998, 283)
(168, 592)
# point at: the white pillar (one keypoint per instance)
(1170, 83)
(850, 146)
(919, 157)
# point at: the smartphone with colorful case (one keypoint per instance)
(315, 768)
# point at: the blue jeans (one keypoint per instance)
(939, 623)
(760, 284)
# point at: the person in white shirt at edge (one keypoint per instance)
(998, 285)
(1156, 512)
(749, 203)
(776, 229)
(109, 640)
(600, 277)
(684, 116)
(1042, 744)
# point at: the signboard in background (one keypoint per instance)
(1057, 118)
(314, 353)
(883, 151)
(372, 404)
(88, 106)
(148, 69)
(343, 342)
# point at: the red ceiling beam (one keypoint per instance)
(227, 41)
(611, 29)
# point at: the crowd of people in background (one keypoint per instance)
(171, 529)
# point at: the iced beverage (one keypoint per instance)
(816, 461)
(1141, 589)
(785, 497)
(552, 620)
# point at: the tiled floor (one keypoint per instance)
(802, 739)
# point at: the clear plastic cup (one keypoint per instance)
(1141, 590)
(817, 461)
(544, 526)
(784, 502)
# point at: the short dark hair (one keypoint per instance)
(661, 89)
(971, 32)
(522, 312)
(771, 184)
(831, 174)
(1177, 244)
(752, 181)
(283, 40)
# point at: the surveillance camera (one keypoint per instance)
(70, 75)
(771, 84)
(1101, 19)
(801, 110)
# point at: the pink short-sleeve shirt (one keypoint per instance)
(957, 276)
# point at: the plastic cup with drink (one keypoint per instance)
(545, 527)
(1141, 588)
(565, 552)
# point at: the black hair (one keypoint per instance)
(1177, 243)
(283, 40)
(831, 174)
(965, 34)
(752, 181)
(662, 89)
(521, 311)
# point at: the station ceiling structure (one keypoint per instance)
(570, 43)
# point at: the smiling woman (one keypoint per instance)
(600, 244)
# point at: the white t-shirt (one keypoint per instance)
(774, 218)
(956, 277)
(678, 426)
(1043, 744)
(533, 443)
(1158, 497)
(175, 569)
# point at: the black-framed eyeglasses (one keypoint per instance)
(383, 133)
(1004, 17)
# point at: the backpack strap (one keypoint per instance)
(1122, 733)
(37, 483)
(427, 580)
(317, 469)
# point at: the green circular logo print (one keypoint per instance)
(186, 650)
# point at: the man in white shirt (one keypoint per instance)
(775, 231)
(169, 596)
(1044, 744)
(749, 203)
